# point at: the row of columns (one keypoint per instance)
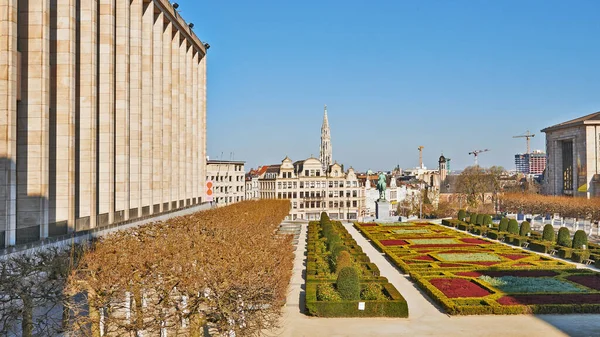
(105, 118)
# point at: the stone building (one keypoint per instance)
(251, 189)
(228, 177)
(312, 190)
(102, 114)
(573, 158)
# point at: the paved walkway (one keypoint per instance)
(425, 319)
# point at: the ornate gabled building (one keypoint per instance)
(326, 153)
(312, 190)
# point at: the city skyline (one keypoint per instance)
(420, 72)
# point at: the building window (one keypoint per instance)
(354, 184)
(294, 195)
(331, 184)
(330, 204)
(306, 173)
(312, 184)
(348, 194)
(294, 205)
(354, 194)
(354, 203)
(279, 195)
(301, 194)
(295, 185)
(301, 184)
(279, 185)
(301, 205)
(318, 173)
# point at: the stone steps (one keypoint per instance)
(291, 229)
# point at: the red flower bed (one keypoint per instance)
(458, 287)
(424, 258)
(393, 242)
(451, 245)
(520, 273)
(550, 299)
(368, 224)
(590, 281)
(475, 241)
(469, 273)
(514, 256)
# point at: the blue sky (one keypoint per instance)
(453, 76)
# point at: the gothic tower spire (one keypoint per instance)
(326, 156)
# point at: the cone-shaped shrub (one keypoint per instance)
(344, 260)
(579, 239)
(548, 234)
(473, 218)
(462, 215)
(503, 225)
(487, 220)
(525, 228)
(347, 284)
(324, 218)
(564, 237)
(479, 220)
(513, 226)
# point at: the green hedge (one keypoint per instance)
(580, 255)
(503, 227)
(462, 215)
(487, 220)
(541, 246)
(513, 226)
(396, 306)
(565, 252)
(525, 228)
(548, 234)
(579, 239)
(564, 237)
(473, 218)
(495, 235)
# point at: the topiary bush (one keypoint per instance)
(548, 234)
(513, 226)
(487, 220)
(344, 259)
(324, 218)
(473, 218)
(579, 239)
(462, 215)
(525, 228)
(348, 285)
(564, 237)
(479, 219)
(326, 292)
(503, 225)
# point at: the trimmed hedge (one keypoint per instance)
(565, 252)
(396, 306)
(564, 237)
(503, 227)
(479, 219)
(548, 234)
(541, 246)
(462, 215)
(348, 285)
(513, 226)
(525, 228)
(580, 255)
(579, 239)
(487, 220)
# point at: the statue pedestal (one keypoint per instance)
(382, 209)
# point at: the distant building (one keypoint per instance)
(251, 189)
(312, 190)
(228, 179)
(531, 163)
(573, 149)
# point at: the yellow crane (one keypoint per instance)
(527, 135)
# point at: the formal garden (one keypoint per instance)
(341, 281)
(469, 275)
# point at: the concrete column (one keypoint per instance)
(122, 119)
(157, 112)
(87, 112)
(182, 122)
(166, 107)
(61, 212)
(189, 124)
(195, 133)
(9, 59)
(33, 121)
(202, 92)
(147, 107)
(106, 114)
(135, 108)
(175, 120)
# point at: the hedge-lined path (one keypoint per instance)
(424, 317)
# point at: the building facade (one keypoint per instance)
(573, 166)
(312, 190)
(228, 179)
(103, 114)
(531, 163)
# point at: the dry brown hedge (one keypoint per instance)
(226, 266)
(571, 207)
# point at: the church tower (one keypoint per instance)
(326, 156)
(443, 168)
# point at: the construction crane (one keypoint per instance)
(448, 164)
(475, 153)
(526, 136)
(420, 148)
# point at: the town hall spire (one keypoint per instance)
(326, 156)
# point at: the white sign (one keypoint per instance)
(361, 305)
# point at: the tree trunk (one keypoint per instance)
(27, 317)
(66, 313)
(94, 319)
(138, 314)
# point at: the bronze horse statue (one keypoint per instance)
(381, 184)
